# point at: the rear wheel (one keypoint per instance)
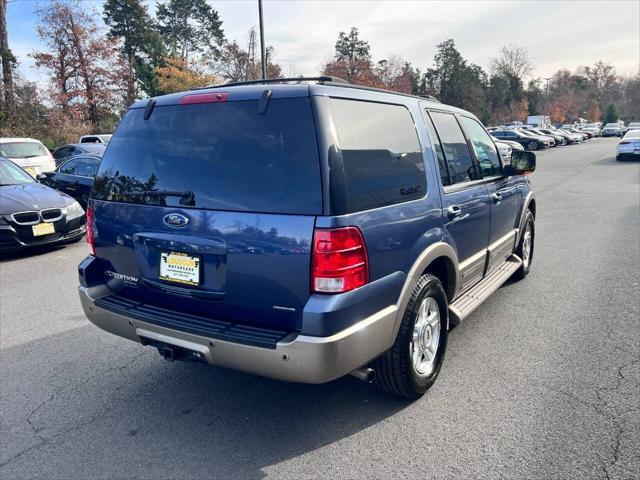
(532, 145)
(413, 363)
(525, 248)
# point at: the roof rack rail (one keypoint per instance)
(430, 97)
(325, 79)
(321, 79)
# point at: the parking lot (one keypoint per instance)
(542, 381)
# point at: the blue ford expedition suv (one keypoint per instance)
(303, 230)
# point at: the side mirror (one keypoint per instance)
(522, 163)
(40, 177)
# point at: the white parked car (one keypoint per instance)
(505, 151)
(629, 146)
(27, 153)
(102, 138)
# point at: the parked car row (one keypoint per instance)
(44, 194)
(537, 138)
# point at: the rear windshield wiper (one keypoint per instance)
(187, 197)
(31, 156)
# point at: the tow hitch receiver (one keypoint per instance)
(171, 353)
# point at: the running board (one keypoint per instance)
(470, 300)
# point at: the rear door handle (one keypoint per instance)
(496, 197)
(453, 212)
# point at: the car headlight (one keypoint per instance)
(3, 221)
(74, 210)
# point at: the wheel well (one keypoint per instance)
(532, 207)
(443, 268)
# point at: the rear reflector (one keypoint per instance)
(90, 233)
(203, 98)
(339, 260)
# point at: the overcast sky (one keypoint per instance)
(558, 34)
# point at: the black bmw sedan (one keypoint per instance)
(32, 214)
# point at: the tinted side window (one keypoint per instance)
(442, 162)
(456, 150)
(87, 167)
(382, 157)
(484, 147)
(69, 168)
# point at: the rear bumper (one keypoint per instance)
(628, 156)
(296, 358)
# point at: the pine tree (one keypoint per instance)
(129, 20)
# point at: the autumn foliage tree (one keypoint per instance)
(177, 74)
(88, 75)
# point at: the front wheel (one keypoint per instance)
(525, 248)
(413, 363)
(532, 145)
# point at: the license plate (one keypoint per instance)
(636, 151)
(31, 171)
(179, 268)
(43, 229)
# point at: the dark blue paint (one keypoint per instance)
(253, 262)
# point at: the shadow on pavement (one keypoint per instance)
(102, 394)
(33, 251)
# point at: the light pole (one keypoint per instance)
(262, 46)
(546, 99)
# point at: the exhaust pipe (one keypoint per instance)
(365, 374)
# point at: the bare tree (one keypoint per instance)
(8, 60)
(513, 62)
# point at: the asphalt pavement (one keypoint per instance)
(542, 381)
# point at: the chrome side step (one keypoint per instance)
(466, 303)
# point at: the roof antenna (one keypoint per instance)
(148, 110)
(264, 101)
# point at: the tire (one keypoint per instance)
(396, 370)
(529, 226)
(532, 146)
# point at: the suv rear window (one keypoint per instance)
(223, 156)
(381, 154)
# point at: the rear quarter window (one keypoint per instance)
(381, 154)
(222, 156)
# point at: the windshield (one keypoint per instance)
(612, 125)
(11, 174)
(22, 150)
(222, 156)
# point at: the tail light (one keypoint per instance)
(339, 260)
(624, 142)
(90, 235)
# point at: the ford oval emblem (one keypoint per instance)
(176, 220)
